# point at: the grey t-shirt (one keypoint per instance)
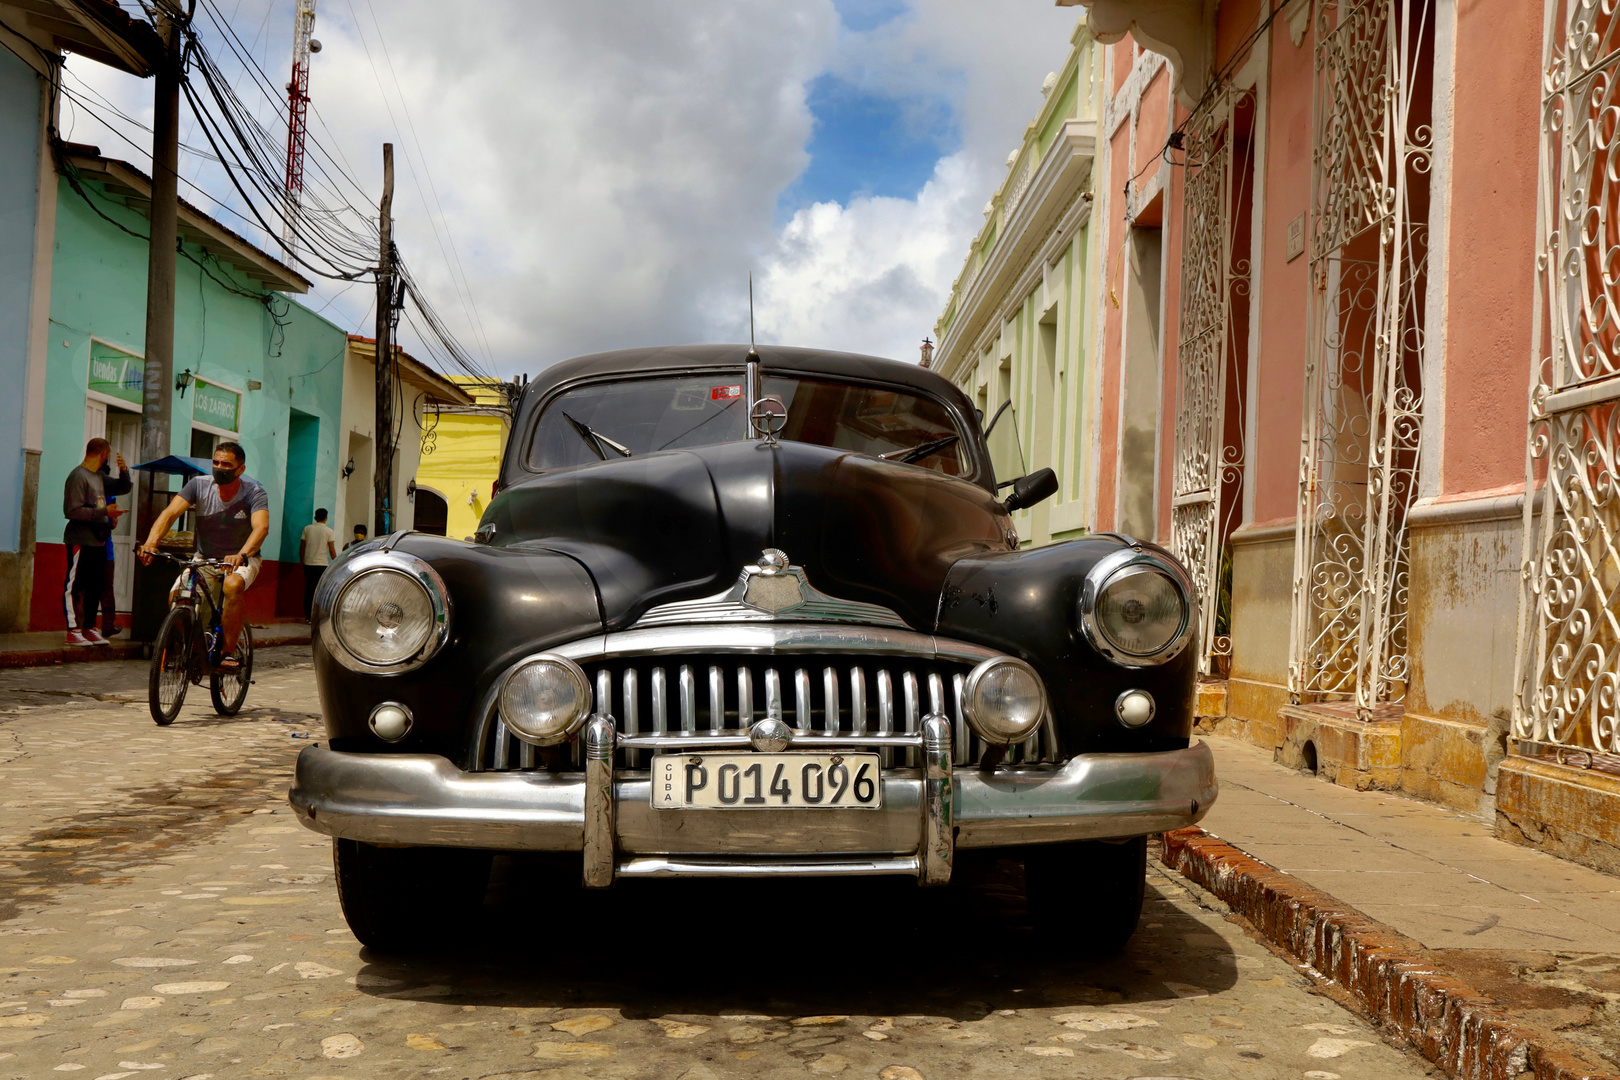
(84, 504)
(223, 527)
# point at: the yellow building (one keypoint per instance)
(461, 457)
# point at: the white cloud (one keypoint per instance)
(610, 172)
(869, 277)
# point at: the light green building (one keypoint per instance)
(1016, 330)
(251, 366)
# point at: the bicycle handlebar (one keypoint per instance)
(193, 561)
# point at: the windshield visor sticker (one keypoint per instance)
(726, 393)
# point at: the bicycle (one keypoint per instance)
(185, 651)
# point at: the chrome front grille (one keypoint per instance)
(812, 694)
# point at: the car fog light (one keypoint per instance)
(545, 700)
(1004, 701)
(1134, 708)
(390, 721)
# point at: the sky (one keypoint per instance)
(577, 177)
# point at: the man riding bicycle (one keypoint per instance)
(233, 519)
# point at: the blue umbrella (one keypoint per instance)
(178, 466)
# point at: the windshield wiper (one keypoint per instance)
(600, 444)
(917, 453)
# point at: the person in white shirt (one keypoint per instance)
(318, 547)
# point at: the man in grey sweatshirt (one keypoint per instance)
(90, 522)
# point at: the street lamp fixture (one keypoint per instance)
(182, 380)
(348, 469)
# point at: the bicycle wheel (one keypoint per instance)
(170, 673)
(229, 689)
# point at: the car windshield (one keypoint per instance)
(643, 416)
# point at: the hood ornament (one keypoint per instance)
(772, 584)
(771, 589)
(768, 417)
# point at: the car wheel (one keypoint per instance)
(1086, 897)
(400, 900)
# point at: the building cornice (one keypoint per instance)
(1183, 31)
(1063, 172)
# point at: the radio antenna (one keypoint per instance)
(752, 376)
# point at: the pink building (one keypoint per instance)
(1359, 298)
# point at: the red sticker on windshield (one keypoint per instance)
(725, 393)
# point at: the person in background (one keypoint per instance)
(359, 537)
(317, 548)
(90, 523)
(109, 602)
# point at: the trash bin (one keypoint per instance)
(150, 601)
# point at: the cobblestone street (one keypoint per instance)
(162, 915)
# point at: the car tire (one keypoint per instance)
(1085, 897)
(400, 900)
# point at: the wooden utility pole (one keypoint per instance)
(383, 474)
(158, 377)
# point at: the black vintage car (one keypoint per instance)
(740, 613)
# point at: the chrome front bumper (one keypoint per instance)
(927, 813)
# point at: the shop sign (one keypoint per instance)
(215, 406)
(116, 373)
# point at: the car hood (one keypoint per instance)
(680, 525)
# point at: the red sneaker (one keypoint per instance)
(76, 639)
(94, 638)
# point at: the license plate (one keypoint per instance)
(766, 782)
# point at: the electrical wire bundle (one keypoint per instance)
(333, 237)
(334, 233)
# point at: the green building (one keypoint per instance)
(251, 366)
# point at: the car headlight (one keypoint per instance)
(545, 699)
(1004, 700)
(1135, 608)
(383, 612)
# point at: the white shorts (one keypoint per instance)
(247, 572)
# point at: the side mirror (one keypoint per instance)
(1038, 486)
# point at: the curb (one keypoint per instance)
(21, 658)
(1392, 977)
(119, 650)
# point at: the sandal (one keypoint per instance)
(228, 665)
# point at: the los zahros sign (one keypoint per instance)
(215, 405)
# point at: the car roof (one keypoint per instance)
(771, 357)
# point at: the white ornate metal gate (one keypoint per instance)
(1210, 355)
(1363, 388)
(1568, 678)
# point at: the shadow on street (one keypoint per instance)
(877, 947)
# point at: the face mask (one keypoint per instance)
(224, 476)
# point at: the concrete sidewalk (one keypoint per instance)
(35, 649)
(1433, 874)
(1355, 879)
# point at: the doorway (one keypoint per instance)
(121, 427)
(357, 488)
(1139, 421)
(432, 512)
(298, 501)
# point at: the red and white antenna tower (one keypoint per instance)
(297, 115)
